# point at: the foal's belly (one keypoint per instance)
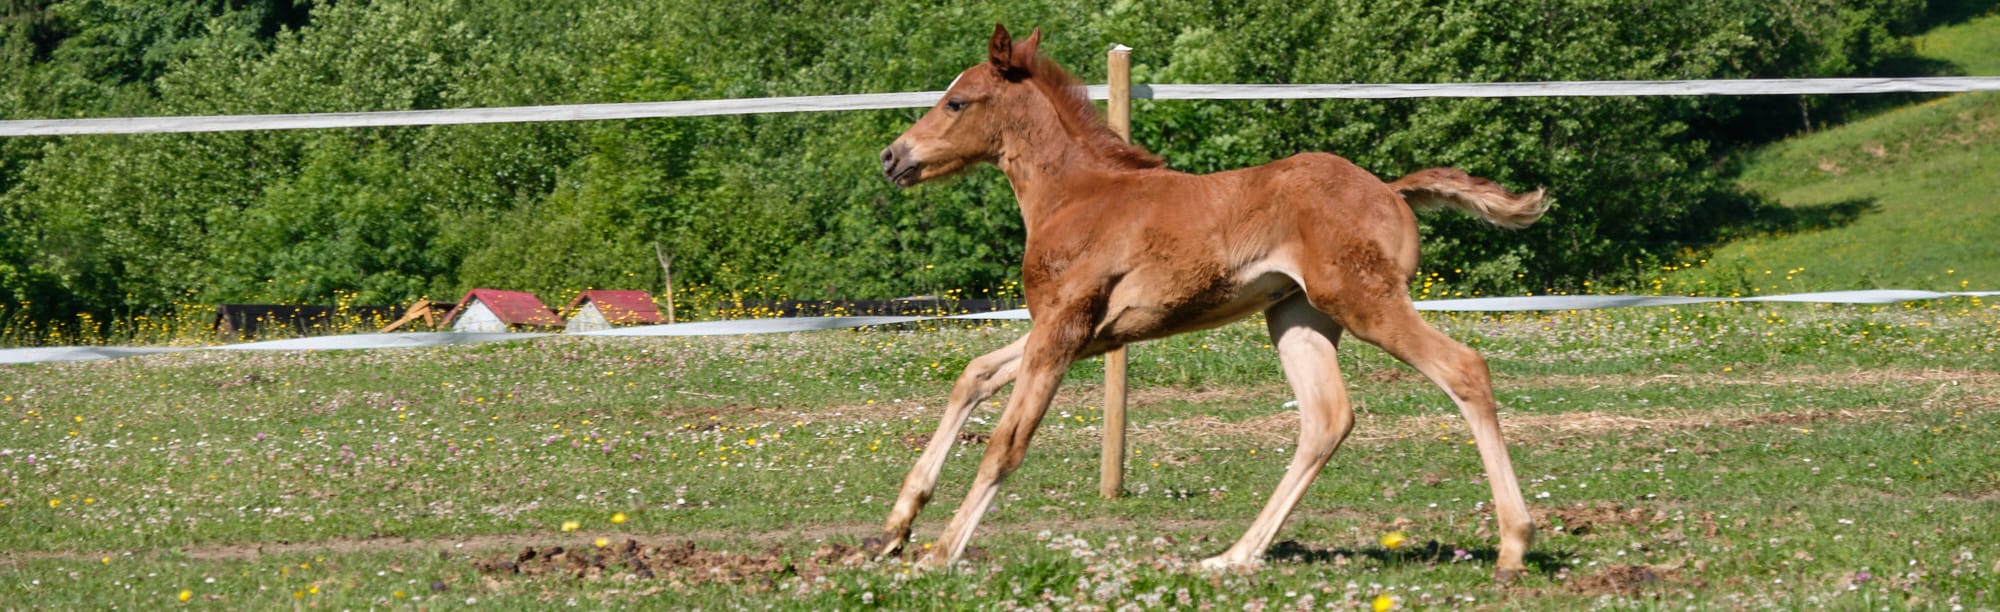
(1141, 310)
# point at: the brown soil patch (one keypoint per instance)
(1079, 395)
(916, 442)
(1626, 580)
(1973, 378)
(1582, 520)
(1282, 427)
(817, 532)
(680, 564)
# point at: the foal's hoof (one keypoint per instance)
(1506, 576)
(883, 546)
(1222, 563)
(931, 561)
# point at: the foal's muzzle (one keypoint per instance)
(898, 165)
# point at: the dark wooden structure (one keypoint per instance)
(247, 321)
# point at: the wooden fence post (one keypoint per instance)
(1111, 468)
(667, 277)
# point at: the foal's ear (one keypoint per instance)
(1000, 50)
(1032, 46)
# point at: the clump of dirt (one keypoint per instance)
(1387, 376)
(1627, 580)
(680, 562)
(1581, 520)
(969, 438)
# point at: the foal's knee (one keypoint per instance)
(977, 374)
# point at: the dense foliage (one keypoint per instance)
(792, 204)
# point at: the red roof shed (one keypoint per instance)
(619, 307)
(511, 308)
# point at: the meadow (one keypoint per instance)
(1902, 199)
(1715, 456)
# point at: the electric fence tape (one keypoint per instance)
(806, 324)
(918, 99)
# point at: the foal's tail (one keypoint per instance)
(1452, 187)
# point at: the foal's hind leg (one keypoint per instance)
(1307, 342)
(984, 376)
(1462, 373)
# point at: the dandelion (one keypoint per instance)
(1393, 540)
(186, 594)
(602, 542)
(568, 526)
(1383, 603)
(618, 518)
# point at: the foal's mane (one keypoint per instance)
(1079, 117)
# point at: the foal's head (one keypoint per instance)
(1014, 89)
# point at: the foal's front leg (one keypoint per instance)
(981, 379)
(1043, 364)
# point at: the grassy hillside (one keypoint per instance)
(1906, 199)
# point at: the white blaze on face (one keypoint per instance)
(954, 82)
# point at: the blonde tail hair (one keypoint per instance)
(1453, 188)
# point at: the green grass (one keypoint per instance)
(1905, 199)
(1725, 455)
(1972, 46)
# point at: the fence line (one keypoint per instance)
(1542, 303)
(918, 99)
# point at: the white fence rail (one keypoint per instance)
(917, 99)
(801, 324)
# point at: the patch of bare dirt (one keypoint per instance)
(1584, 519)
(1277, 427)
(1140, 396)
(916, 442)
(829, 533)
(1628, 580)
(680, 563)
(1390, 375)
(1282, 427)
(1876, 376)
(1540, 427)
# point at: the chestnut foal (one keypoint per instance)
(1121, 250)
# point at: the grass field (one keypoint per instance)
(1716, 456)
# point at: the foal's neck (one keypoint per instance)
(1047, 164)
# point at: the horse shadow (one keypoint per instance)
(1810, 218)
(1427, 554)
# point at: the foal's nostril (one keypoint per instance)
(888, 159)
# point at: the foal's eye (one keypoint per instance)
(954, 105)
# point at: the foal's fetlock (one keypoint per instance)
(932, 559)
